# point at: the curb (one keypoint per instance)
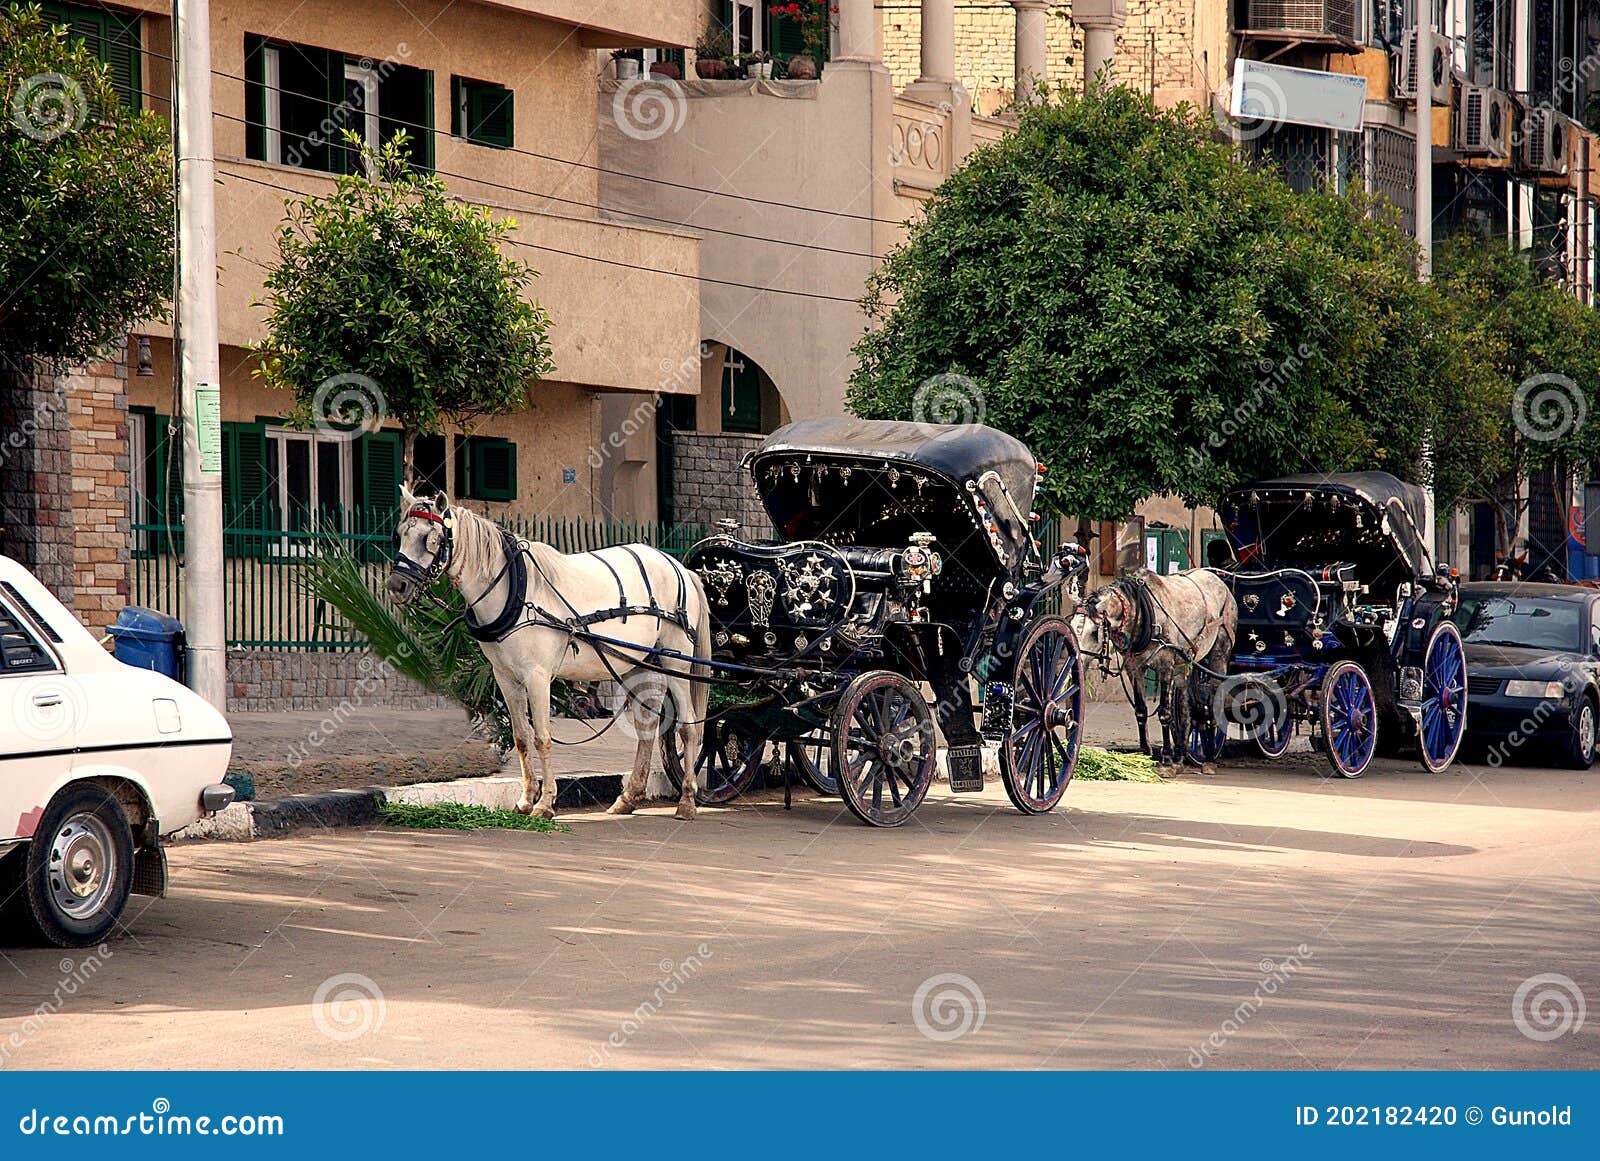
(280, 817)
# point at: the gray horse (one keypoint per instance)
(1164, 624)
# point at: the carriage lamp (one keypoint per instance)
(1552, 690)
(727, 526)
(146, 367)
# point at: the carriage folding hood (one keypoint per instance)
(1399, 550)
(987, 476)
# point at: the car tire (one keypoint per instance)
(78, 870)
(1581, 742)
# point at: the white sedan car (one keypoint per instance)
(98, 761)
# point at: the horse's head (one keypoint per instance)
(422, 545)
(1105, 616)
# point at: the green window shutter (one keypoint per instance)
(491, 114)
(784, 38)
(248, 510)
(458, 89)
(114, 37)
(405, 102)
(486, 468)
(377, 470)
(741, 396)
(122, 51)
(377, 464)
(494, 469)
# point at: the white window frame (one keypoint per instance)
(138, 455)
(758, 30)
(281, 438)
(368, 79)
(272, 118)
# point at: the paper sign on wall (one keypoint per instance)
(208, 428)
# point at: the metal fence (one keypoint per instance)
(266, 568)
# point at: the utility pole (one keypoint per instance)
(196, 364)
(1424, 209)
(1424, 213)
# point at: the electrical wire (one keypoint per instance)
(598, 168)
(224, 175)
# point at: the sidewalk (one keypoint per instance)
(302, 751)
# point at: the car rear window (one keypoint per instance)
(20, 652)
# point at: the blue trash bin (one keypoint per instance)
(146, 639)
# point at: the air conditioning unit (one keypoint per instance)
(1344, 19)
(1544, 141)
(1483, 123)
(1405, 86)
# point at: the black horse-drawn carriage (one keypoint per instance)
(904, 560)
(1344, 622)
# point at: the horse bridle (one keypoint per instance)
(407, 567)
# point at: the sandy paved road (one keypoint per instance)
(1122, 932)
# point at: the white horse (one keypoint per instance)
(1166, 624)
(540, 614)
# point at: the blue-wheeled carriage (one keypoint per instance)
(904, 579)
(1344, 621)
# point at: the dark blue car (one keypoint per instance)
(1533, 660)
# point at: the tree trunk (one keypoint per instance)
(408, 457)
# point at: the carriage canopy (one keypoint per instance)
(1371, 519)
(874, 482)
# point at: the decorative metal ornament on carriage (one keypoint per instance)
(1344, 621)
(906, 562)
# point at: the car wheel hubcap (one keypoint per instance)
(82, 866)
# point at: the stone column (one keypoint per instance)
(938, 42)
(1100, 20)
(858, 31)
(1032, 53)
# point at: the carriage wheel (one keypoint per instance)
(1039, 755)
(1272, 738)
(883, 748)
(727, 763)
(1444, 701)
(1349, 718)
(810, 758)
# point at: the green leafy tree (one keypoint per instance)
(86, 229)
(392, 298)
(1525, 376)
(1149, 313)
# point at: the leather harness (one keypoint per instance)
(518, 611)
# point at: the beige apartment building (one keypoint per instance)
(498, 98)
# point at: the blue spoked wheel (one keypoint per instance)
(1039, 755)
(1349, 718)
(808, 758)
(883, 747)
(1272, 736)
(1444, 698)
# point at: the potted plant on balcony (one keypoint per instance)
(760, 65)
(813, 19)
(710, 53)
(666, 70)
(625, 62)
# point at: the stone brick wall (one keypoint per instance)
(709, 484)
(97, 407)
(265, 680)
(1155, 51)
(36, 475)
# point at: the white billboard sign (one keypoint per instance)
(1269, 92)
